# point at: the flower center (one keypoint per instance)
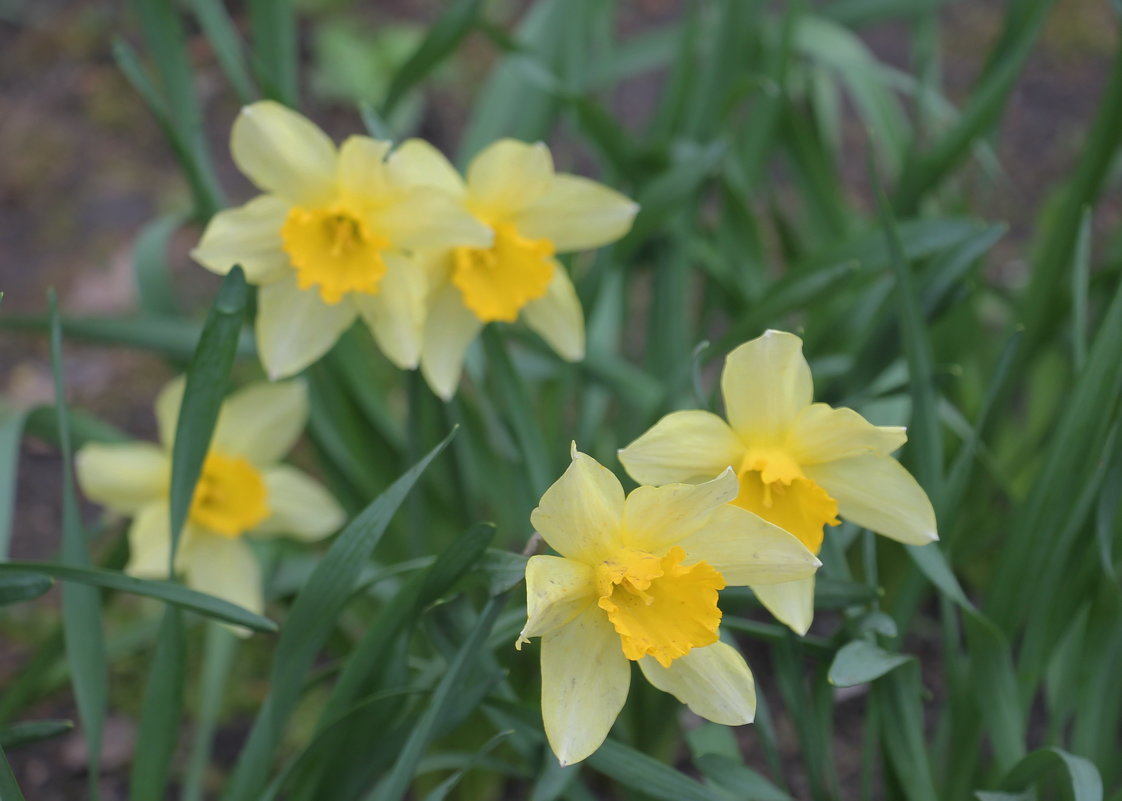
(498, 281)
(334, 250)
(231, 496)
(659, 607)
(773, 486)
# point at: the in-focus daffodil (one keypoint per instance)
(534, 214)
(327, 241)
(637, 580)
(243, 491)
(800, 464)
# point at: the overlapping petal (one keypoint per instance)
(823, 434)
(125, 477)
(427, 217)
(361, 174)
(585, 678)
(557, 317)
(656, 518)
(791, 603)
(713, 681)
(450, 328)
(576, 213)
(878, 493)
(579, 515)
(250, 236)
(689, 447)
(766, 383)
(557, 590)
(396, 315)
(295, 327)
(747, 549)
(284, 153)
(507, 176)
(415, 161)
(262, 421)
(149, 538)
(299, 506)
(225, 568)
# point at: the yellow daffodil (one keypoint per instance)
(800, 464)
(243, 491)
(534, 214)
(327, 241)
(637, 580)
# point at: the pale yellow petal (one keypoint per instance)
(557, 316)
(262, 421)
(714, 682)
(167, 410)
(250, 236)
(507, 176)
(284, 153)
(822, 434)
(747, 549)
(579, 516)
(557, 590)
(396, 314)
(225, 568)
(150, 542)
(766, 383)
(123, 477)
(656, 518)
(576, 214)
(299, 506)
(585, 678)
(685, 447)
(791, 603)
(295, 327)
(415, 161)
(361, 173)
(450, 328)
(878, 493)
(427, 217)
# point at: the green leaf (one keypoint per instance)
(861, 661)
(218, 657)
(228, 47)
(172, 593)
(310, 622)
(738, 779)
(648, 775)
(11, 434)
(9, 789)
(1082, 776)
(150, 266)
(81, 605)
(32, 731)
(273, 23)
(207, 376)
(16, 587)
(161, 711)
(442, 38)
(903, 728)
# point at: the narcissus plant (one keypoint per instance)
(800, 464)
(637, 580)
(243, 492)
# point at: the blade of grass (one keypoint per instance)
(33, 731)
(227, 45)
(150, 266)
(9, 788)
(161, 711)
(12, 422)
(218, 657)
(17, 587)
(441, 40)
(273, 23)
(1080, 283)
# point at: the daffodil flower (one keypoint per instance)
(243, 491)
(534, 214)
(637, 581)
(800, 464)
(327, 241)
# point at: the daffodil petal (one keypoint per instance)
(415, 161)
(250, 236)
(123, 477)
(299, 506)
(576, 214)
(262, 421)
(428, 217)
(225, 568)
(585, 678)
(450, 328)
(395, 315)
(149, 538)
(557, 590)
(746, 549)
(579, 516)
(714, 682)
(791, 603)
(295, 327)
(822, 434)
(656, 518)
(878, 493)
(507, 176)
(361, 173)
(167, 410)
(683, 447)
(284, 153)
(766, 383)
(557, 316)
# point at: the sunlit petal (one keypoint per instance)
(295, 327)
(576, 214)
(713, 681)
(299, 506)
(250, 236)
(585, 678)
(557, 590)
(395, 315)
(450, 328)
(557, 317)
(579, 516)
(655, 518)
(766, 383)
(821, 434)
(284, 153)
(683, 447)
(791, 603)
(262, 422)
(124, 477)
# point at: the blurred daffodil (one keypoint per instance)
(637, 580)
(534, 214)
(327, 241)
(800, 464)
(243, 491)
